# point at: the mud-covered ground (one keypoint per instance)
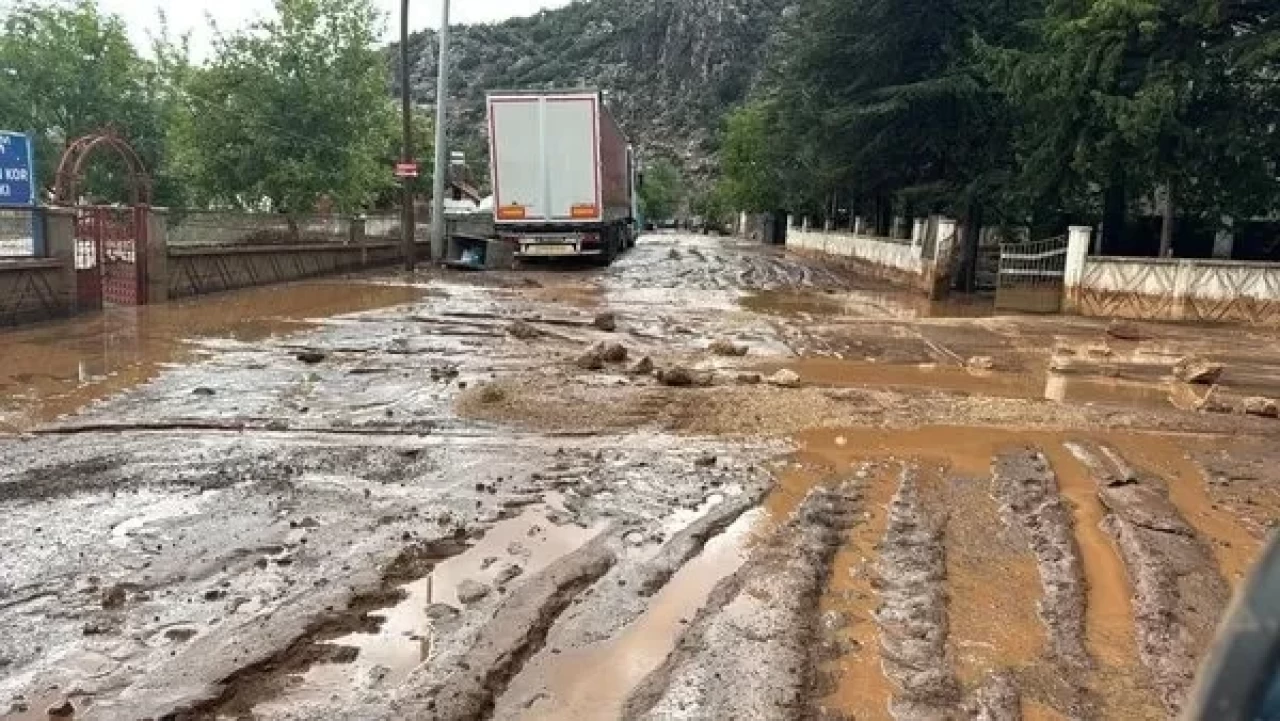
(713, 481)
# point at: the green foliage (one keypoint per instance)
(67, 70)
(293, 109)
(1014, 110)
(662, 191)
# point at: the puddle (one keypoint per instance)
(900, 304)
(594, 682)
(861, 688)
(386, 655)
(991, 624)
(58, 367)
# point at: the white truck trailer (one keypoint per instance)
(563, 175)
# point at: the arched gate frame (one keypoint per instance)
(111, 240)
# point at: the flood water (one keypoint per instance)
(58, 367)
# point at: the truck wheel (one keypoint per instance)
(610, 254)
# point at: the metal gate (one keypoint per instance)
(111, 256)
(1031, 275)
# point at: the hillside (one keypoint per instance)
(671, 67)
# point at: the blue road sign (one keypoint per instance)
(17, 176)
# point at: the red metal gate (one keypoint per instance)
(111, 256)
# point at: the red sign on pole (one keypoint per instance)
(406, 170)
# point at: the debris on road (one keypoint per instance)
(1198, 371)
(1262, 407)
(642, 367)
(613, 352)
(981, 363)
(311, 357)
(676, 377)
(607, 322)
(1124, 330)
(591, 359)
(785, 378)
(726, 347)
(471, 592)
(523, 330)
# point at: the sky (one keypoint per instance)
(189, 15)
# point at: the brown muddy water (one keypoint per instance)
(402, 637)
(993, 624)
(881, 303)
(56, 368)
(593, 683)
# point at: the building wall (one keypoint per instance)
(899, 261)
(1177, 290)
(195, 271)
(33, 290)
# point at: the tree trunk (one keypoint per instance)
(969, 261)
(1166, 225)
(1113, 216)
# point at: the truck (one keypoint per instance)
(563, 174)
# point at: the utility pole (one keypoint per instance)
(438, 244)
(406, 156)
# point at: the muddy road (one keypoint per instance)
(713, 481)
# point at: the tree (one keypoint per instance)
(753, 171)
(662, 191)
(293, 109)
(67, 70)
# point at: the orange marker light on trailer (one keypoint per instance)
(584, 210)
(511, 212)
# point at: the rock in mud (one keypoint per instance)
(1027, 490)
(204, 391)
(642, 367)
(114, 597)
(592, 359)
(63, 710)
(726, 347)
(607, 322)
(491, 393)
(706, 460)
(676, 377)
(1199, 371)
(471, 592)
(311, 357)
(507, 573)
(912, 616)
(442, 613)
(523, 330)
(613, 352)
(981, 363)
(1263, 407)
(785, 378)
(749, 379)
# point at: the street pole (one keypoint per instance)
(438, 245)
(408, 247)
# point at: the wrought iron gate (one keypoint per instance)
(111, 256)
(1031, 275)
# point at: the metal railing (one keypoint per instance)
(1030, 276)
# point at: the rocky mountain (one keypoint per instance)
(671, 68)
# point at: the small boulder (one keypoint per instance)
(1193, 369)
(749, 379)
(726, 347)
(592, 359)
(491, 393)
(676, 377)
(607, 322)
(706, 460)
(507, 573)
(642, 367)
(1123, 330)
(981, 363)
(311, 357)
(203, 391)
(785, 378)
(613, 352)
(63, 710)
(471, 592)
(1263, 407)
(113, 598)
(523, 330)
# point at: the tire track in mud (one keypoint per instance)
(912, 617)
(750, 652)
(1179, 593)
